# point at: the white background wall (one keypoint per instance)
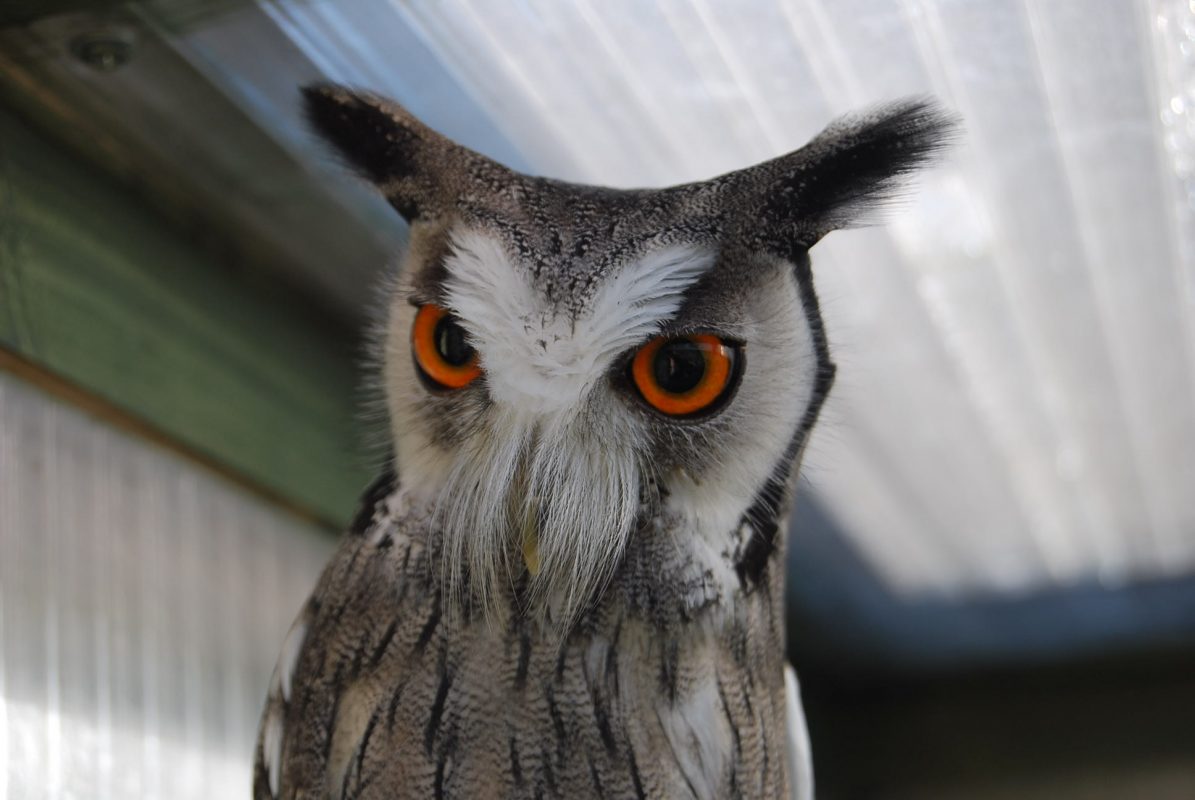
(142, 603)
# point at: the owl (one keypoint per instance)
(568, 582)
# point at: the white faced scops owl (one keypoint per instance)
(569, 582)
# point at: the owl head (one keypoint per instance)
(571, 371)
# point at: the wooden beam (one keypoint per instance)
(18, 12)
(21, 12)
(96, 289)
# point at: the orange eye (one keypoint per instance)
(685, 376)
(441, 350)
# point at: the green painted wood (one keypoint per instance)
(22, 11)
(175, 12)
(96, 289)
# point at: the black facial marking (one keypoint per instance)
(763, 517)
(763, 520)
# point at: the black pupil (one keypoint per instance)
(679, 366)
(451, 344)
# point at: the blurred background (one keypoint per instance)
(992, 562)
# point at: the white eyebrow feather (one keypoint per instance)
(543, 359)
(644, 294)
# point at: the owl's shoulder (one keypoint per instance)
(375, 583)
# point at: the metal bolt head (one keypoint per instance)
(104, 50)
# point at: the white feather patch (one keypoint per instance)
(288, 659)
(280, 691)
(540, 457)
(539, 359)
(700, 736)
(271, 746)
(800, 754)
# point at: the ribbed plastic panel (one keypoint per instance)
(142, 603)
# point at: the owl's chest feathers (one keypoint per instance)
(652, 694)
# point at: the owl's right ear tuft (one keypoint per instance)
(383, 142)
(856, 165)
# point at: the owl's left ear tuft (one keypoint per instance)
(416, 168)
(855, 165)
(375, 136)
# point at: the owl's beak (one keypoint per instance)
(529, 541)
(525, 509)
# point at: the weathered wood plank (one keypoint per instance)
(13, 12)
(94, 288)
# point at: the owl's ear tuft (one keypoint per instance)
(413, 166)
(375, 136)
(855, 165)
